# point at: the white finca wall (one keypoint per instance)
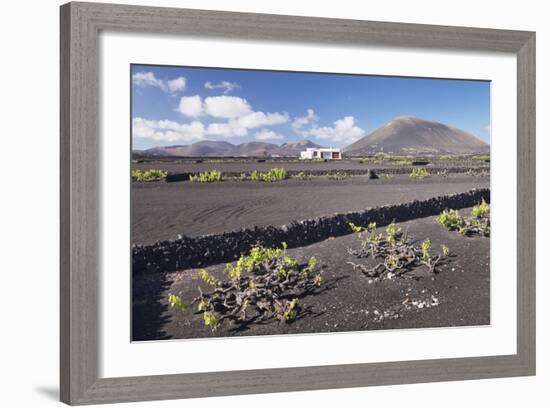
(321, 153)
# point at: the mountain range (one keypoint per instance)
(212, 148)
(402, 135)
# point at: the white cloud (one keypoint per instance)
(240, 126)
(225, 85)
(146, 79)
(176, 85)
(266, 134)
(167, 131)
(237, 111)
(258, 119)
(227, 107)
(228, 129)
(191, 106)
(344, 130)
(488, 128)
(299, 122)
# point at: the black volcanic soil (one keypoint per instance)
(164, 210)
(348, 302)
(248, 165)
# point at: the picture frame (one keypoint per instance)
(81, 24)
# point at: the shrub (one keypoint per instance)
(481, 210)
(378, 158)
(207, 176)
(399, 160)
(402, 162)
(210, 320)
(176, 302)
(207, 278)
(450, 219)
(478, 223)
(391, 262)
(392, 231)
(291, 310)
(264, 284)
(425, 248)
(148, 175)
(275, 174)
(478, 226)
(371, 160)
(393, 253)
(419, 173)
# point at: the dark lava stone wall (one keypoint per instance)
(186, 252)
(350, 172)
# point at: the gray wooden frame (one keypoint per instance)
(80, 26)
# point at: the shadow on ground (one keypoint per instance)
(149, 314)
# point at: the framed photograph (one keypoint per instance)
(291, 203)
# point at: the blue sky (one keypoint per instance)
(183, 105)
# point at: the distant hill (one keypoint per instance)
(411, 135)
(294, 149)
(204, 148)
(254, 149)
(212, 148)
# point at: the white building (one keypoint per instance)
(329, 153)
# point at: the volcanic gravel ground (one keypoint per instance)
(165, 210)
(457, 296)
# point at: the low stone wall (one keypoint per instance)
(186, 252)
(171, 177)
